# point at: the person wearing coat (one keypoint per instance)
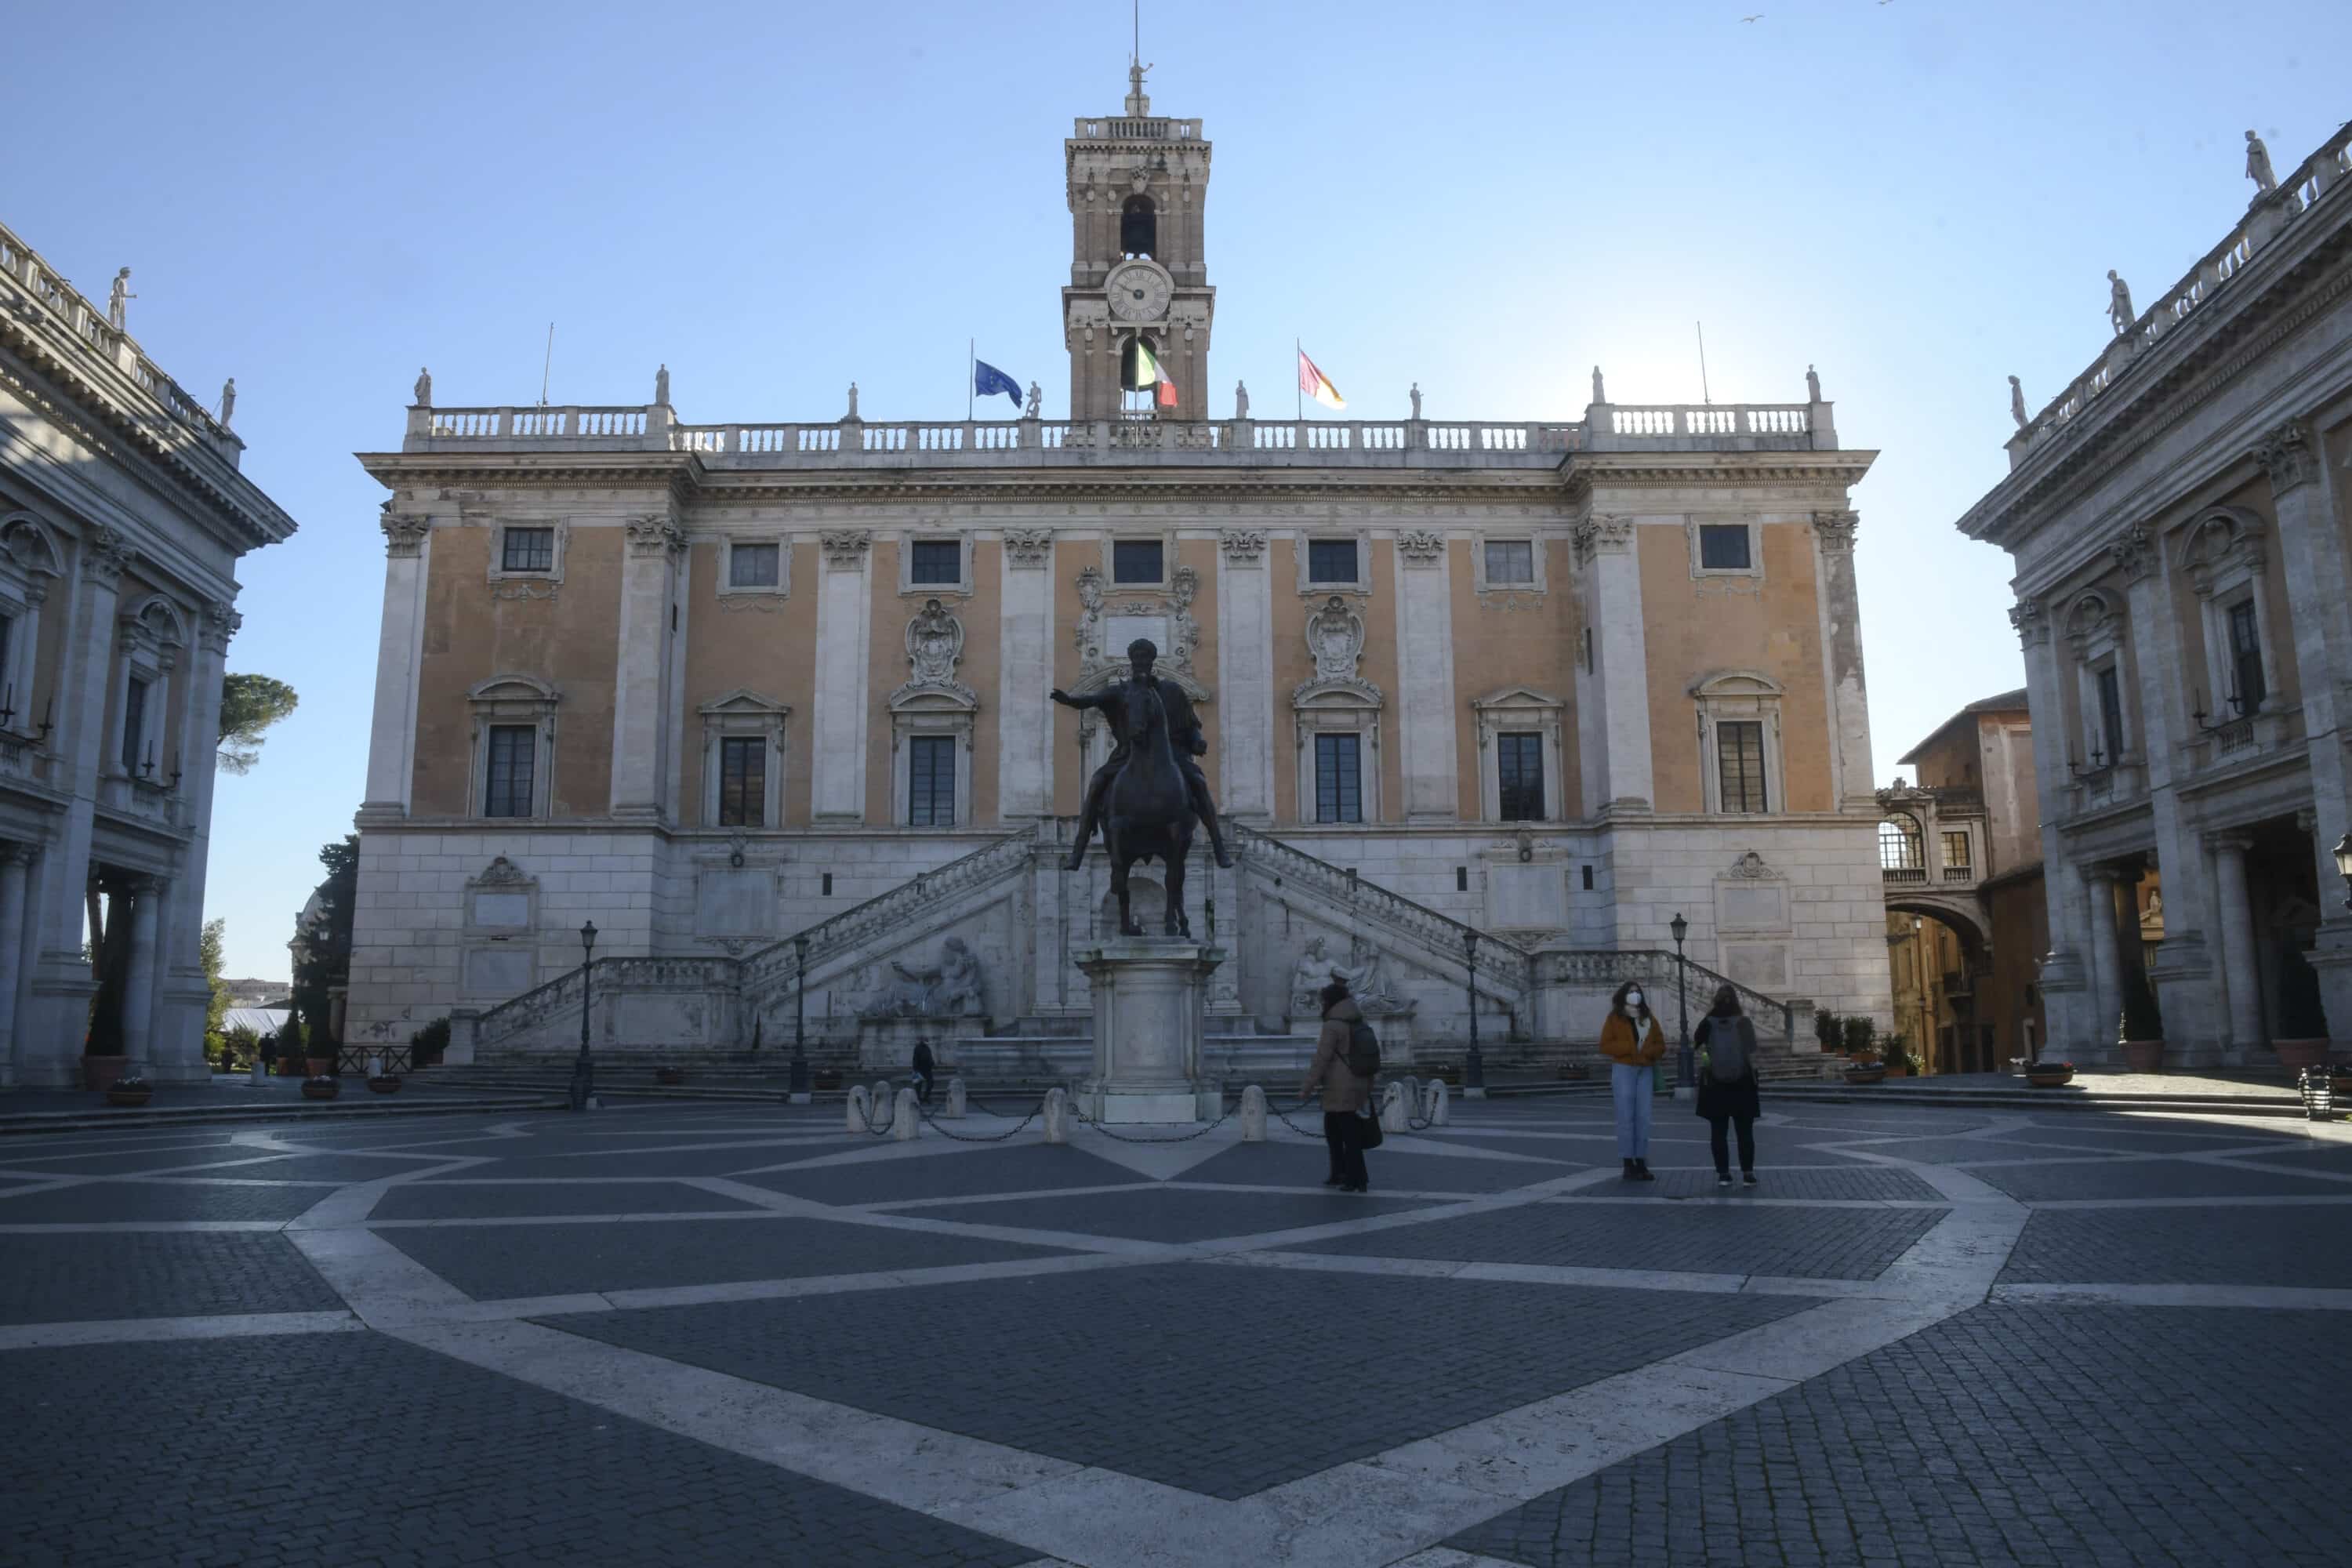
(1727, 1083)
(926, 1066)
(1344, 1094)
(1634, 1043)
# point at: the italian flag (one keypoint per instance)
(1167, 391)
(1317, 385)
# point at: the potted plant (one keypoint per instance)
(1829, 1033)
(1897, 1056)
(384, 1081)
(128, 1090)
(319, 1086)
(2302, 1039)
(2048, 1074)
(825, 1078)
(669, 1075)
(1570, 1072)
(1860, 1033)
(290, 1062)
(2141, 1031)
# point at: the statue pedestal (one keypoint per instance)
(1150, 1014)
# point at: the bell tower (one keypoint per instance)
(1138, 305)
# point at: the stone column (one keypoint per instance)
(15, 861)
(2317, 590)
(641, 727)
(1840, 627)
(139, 971)
(2106, 964)
(838, 751)
(184, 996)
(1618, 734)
(1425, 716)
(1244, 677)
(392, 738)
(1024, 718)
(2239, 971)
(2069, 988)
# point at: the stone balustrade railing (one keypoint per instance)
(87, 321)
(2266, 219)
(1350, 442)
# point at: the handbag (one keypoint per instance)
(1368, 1128)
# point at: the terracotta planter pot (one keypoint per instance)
(320, 1088)
(388, 1083)
(1864, 1074)
(1893, 1071)
(320, 1066)
(99, 1072)
(668, 1075)
(2049, 1076)
(2296, 1055)
(116, 1096)
(292, 1067)
(2143, 1056)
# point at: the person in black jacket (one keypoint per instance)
(1727, 1083)
(924, 1067)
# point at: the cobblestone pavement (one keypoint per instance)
(728, 1333)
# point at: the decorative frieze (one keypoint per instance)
(1421, 546)
(1335, 636)
(846, 547)
(1185, 627)
(1028, 546)
(1243, 546)
(2286, 456)
(1835, 531)
(934, 649)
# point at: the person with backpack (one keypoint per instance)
(1347, 1058)
(926, 1065)
(1634, 1043)
(1727, 1083)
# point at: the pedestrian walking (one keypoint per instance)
(1634, 1043)
(925, 1064)
(1345, 1095)
(1727, 1083)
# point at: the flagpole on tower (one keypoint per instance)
(1298, 385)
(970, 374)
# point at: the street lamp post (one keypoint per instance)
(799, 1094)
(1685, 1069)
(584, 1069)
(1473, 1066)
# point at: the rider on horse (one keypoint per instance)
(1184, 734)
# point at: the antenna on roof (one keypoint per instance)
(1703, 396)
(547, 364)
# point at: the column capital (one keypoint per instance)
(2229, 841)
(1421, 546)
(2134, 551)
(1604, 533)
(654, 537)
(2101, 871)
(2285, 455)
(1243, 546)
(2025, 617)
(221, 622)
(846, 547)
(1028, 546)
(1835, 531)
(105, 556)
(18, 852)
(403, 535)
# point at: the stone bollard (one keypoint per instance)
(259, 1070)
(905, 1117)
(1393, 1108)
(1440, 1104)
(861, 1108)
(955, 1098)
(1057, 1115)
(1253, 1115)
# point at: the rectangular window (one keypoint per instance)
(1135, 561)
(1519, 759)
(2111, 712)
(937, 564)
(754, 565)
(1957, 856)
(1740, 757)
(1510, 561)
(1588, 879)
(514, 758)
(528, 549)
(1723, 547)
(1331, 561)
(1338, 779)
(134, 722)
(2246, 657)
(930, 781)
(742, 780)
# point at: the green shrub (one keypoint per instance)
(1826, 1031)
(1860, 1035)
(425, 1046)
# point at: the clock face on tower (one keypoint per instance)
(1138, 293)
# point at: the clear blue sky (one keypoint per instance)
(1919, 199)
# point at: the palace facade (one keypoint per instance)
(1487, 703)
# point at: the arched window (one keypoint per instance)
(1139, 378)
(1902, 854)
(1138, 227)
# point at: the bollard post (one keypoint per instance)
(955, 1098)
(258, 1067)
(1253, 1115)
(861, 1108)
(1057, 1115)
(905, 1117)
(1392, 1110)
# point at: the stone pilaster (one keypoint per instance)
(16, 862)
(641, 731)
(2069, 990)
(1245, 677)
(837, 754)
(147, 898)
(182, 994)
(1616, 735)
(2106, 937)
(1426, 718)
(392, 738)
(1848, 695)
(1024, 718)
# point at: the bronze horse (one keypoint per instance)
(1148, 812)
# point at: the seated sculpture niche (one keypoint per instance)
(951, 989)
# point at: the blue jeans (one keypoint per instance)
(1632, 1089)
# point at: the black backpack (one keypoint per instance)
(1363, 1050)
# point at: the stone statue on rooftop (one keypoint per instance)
(1415, 396)
(228, 401)
(1241, 400)
(1599, 393)
(2258, 165)
(1036, 401)
(117, 298)
(2017, 402)
(2119, 305)
(424, 387)
(661, 386)
(853, 403)
(1813, 386)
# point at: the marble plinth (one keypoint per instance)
(1151, 1014)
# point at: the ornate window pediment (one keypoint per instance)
(1739, 741)
(2227, 541)
(1519, 710)
(507, 704)
(743, 714)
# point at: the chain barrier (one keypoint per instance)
(933, 1123)
(1082, 1119)
(884, 1129)
(1412, 1123)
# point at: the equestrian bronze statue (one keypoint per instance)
(1148, 795)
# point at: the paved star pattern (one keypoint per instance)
(739, 1332)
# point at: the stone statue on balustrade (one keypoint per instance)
(853, 405)
(424, 387)
(228, 402)
(117, 298)
(1036, 402)
(2258, 166)
(1813, 385)
(1415, 396)
(949, 989)
(1241, 400)
(661, 387)
(2017, 402)
(1600, 394)
(2119, 305)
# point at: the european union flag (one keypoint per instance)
(987, 381)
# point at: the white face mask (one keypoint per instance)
(1632, 998)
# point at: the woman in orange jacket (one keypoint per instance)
(1634, 1043)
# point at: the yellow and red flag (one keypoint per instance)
(1317, 385)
